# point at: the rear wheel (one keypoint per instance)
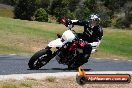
(40, 59)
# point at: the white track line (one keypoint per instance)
(129, 60)
(111, 59)
(116, 59)
(58, 75)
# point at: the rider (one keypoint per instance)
(91, 36)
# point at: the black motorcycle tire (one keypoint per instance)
(36, 56)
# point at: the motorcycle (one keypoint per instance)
(68, 51)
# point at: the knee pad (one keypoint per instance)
(87, 49)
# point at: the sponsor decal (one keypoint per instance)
(83, 78)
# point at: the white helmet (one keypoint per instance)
(94, 17)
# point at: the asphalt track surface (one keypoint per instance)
(13, 64)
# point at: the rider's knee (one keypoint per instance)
(87, 49)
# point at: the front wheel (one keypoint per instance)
(40, 59)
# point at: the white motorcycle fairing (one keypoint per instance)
(56, 43)
(67, 36)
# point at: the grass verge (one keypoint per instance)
(116, 43)
(69, 82)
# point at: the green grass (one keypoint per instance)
(6, 11)
(9, 86)
(50, 79)
(17, 84)
(25, 84)
(117, 42)
(26, 37)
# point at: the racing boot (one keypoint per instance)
(86, 57)
(82, 60)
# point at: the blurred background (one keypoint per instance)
(27, 26)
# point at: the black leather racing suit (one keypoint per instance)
(89, 35)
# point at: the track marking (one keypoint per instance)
(129, 60)
(116, 59)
